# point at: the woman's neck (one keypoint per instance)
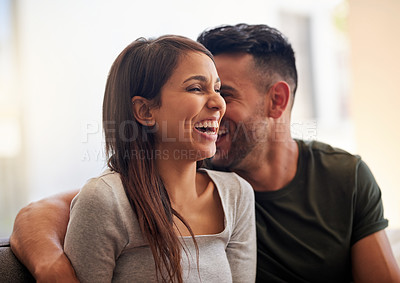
(179, 178)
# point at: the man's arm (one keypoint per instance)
(38, 238)
(373, 260)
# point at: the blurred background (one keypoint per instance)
(55, 56)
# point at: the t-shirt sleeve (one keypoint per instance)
(242, 247)
(368, 214)
(95, 235)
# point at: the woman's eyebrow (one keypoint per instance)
(197, 77)
(201, 78)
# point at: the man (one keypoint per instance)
(319, 210)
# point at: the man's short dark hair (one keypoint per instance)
(271, 50)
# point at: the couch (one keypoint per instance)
(11, 269)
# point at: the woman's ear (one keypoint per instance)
(279, 99)
(141, 108)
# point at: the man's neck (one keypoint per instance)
(275, 170)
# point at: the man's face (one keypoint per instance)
(244, 125)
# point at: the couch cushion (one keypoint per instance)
(11, 269)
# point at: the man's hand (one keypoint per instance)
(38, 238)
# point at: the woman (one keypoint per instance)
(153, 216)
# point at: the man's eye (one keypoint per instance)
(218, 91)
(225, 95)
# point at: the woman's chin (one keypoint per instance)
(204, 154)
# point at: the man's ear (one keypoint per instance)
(279, 99)
(141, 108)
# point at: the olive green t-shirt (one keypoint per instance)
(305, 230)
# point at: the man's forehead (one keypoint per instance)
(235, 64)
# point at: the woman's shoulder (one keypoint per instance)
(105, 190)
(107, 179)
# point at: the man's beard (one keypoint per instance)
(244, 140)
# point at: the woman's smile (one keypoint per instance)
(207, 129)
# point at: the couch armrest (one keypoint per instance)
(11, 269)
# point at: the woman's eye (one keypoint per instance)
(218, 91)
(194, 89)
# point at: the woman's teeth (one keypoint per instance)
(208, 127)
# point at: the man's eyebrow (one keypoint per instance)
(227, 87)
(200, 78)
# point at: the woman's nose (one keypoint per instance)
(216, 102)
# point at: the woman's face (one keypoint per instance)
(191, 109)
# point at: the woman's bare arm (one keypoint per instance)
(38, 238)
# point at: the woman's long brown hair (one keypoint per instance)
(142, 69)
